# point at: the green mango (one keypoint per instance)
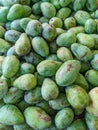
(86, 40)
(11, 115)
(2, 31)
(67, 73)
(81, 17)
(48, 67)
(10, 66)
(90, 26)
(26, 68)
(16, 11)
(12, 36)
(92, 77)
(49, 32)
(64, 54)
(66, 39)
(48, 9)
(91, 5)
(80, 98)
(81, 52)
(78, 5)
(64, 118)
(22, 127)
(63, 13)
(45, 106)
(33, 96)
(40, 46)
(81, 81)
(91, 121)
(3, 14)
(76, 30)
(65, 3)
(33, 58)
(4, 46)
(49, 89)
(69, 22)
(39, 119)
(93, 105)
(57, 22)
(27, 10)
(59, 103)
(77, 125)
(36, 8)
(24, 22)
(25, 82)
(3, 88)
(23, 45)
(15, 25)
(34, 28)
(94, 62)
(13, 95)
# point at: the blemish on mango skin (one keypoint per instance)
(69, 67)
(46, 118)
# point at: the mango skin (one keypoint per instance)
(81, 17)
(10, 66)
(69, 23)
(2, 31)
(13, 95)
(66, 39)
(92, 107)
(29, 82)
(49, 32)
(94, 62)
(57, 22)
(81, 81)
(67, 73)
(15, 25)
(63, 13)
(24, 22)
(77, 125)
(48, 9)
(15, 12)
(3, 88)
(23, 45)
(4, 46)
(39, 119)
(77, 5)
(76, 30)
(91, 5)
(81, 97)
(3, 14)
(34, 28)
(59, 103)
(12, 36)
(22, 127)
(33, 96)
(92, 77)
(86, 40)
(83, 53)
(90, 26)
(13, 117)
(91, 121)
(64, 118)
(33, 58)
(48, 67)
(49, 89)
(64, 54)
(40, 46)
(26, 68)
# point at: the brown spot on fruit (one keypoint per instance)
(69, 67)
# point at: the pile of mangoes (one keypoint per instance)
(48, 64)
